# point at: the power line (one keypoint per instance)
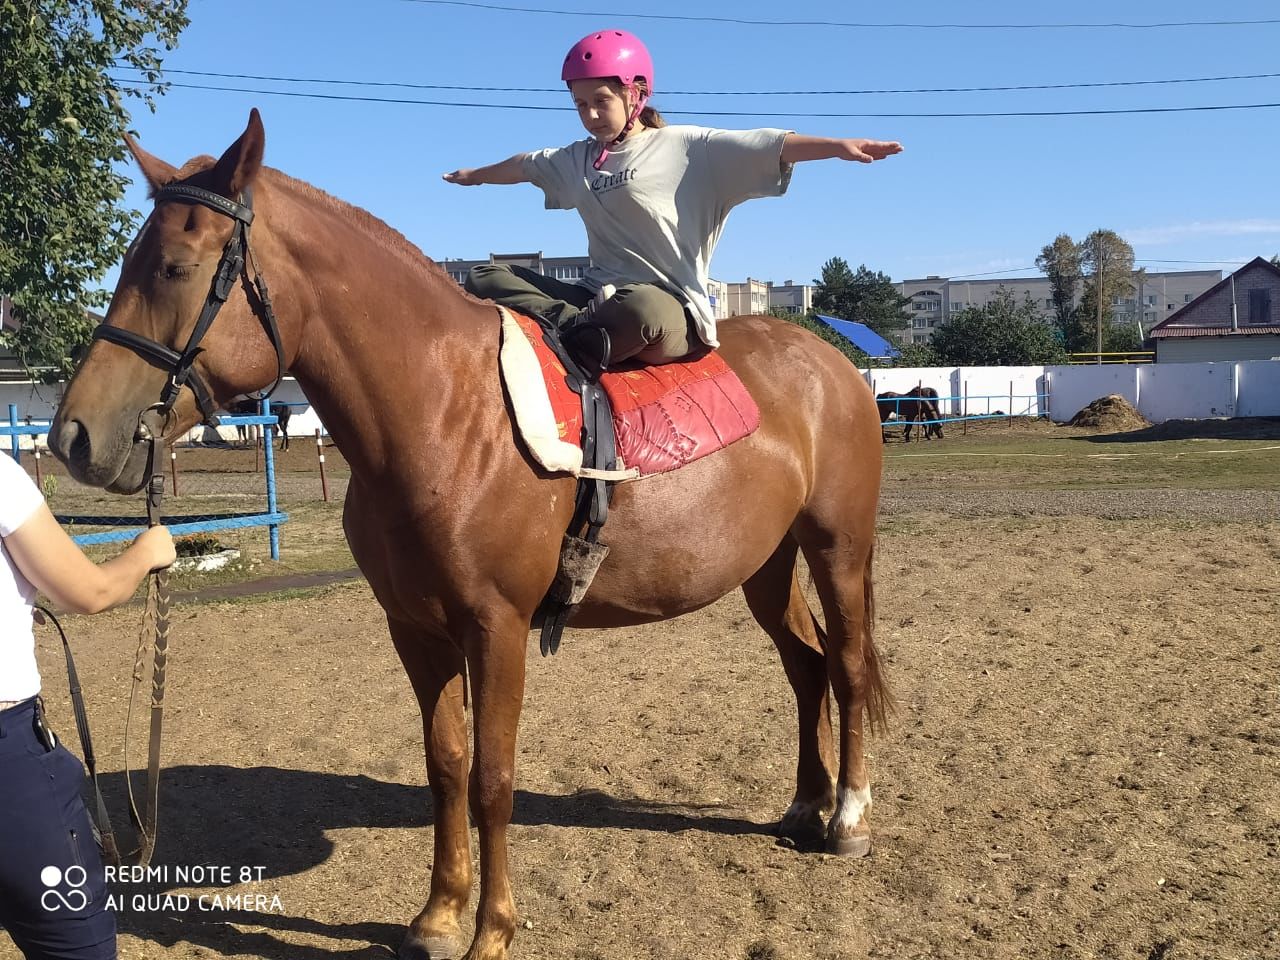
(861, 26)
(724, 113)
(734, 93)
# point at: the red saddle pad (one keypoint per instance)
(664, 416)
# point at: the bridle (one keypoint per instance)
(237, 259)
(237, 256)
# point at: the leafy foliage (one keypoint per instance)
(1108, 260)
(61, 124)
(1002, 332)
(866, 296)
(1060, 262)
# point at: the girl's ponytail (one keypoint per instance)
(649, 117)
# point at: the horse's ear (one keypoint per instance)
(156, 171)
(237, 168)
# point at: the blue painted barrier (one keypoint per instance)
(178, 525)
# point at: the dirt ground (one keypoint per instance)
(1084, 762)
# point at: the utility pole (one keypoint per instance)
(1098, 274)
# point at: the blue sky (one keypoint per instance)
(967, 196)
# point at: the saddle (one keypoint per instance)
(607, 427)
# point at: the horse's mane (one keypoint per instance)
(380, 232)
(384, 235)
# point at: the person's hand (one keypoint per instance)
(156, 545)
(868, 151)
(463, 178)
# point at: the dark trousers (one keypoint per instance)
(53, 894)
(645, 322)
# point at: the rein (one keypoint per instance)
(236, 261)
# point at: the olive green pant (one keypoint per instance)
(644, 321)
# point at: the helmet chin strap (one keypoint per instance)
(631, 122)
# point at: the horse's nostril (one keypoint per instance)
(70, 441)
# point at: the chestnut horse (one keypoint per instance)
(456, 527)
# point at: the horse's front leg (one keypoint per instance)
(495, 657)
(435, 670)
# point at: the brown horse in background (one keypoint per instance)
(919, 404)
(459, 531)
(251, 408)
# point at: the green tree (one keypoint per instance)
(61, 124)
(1108, 261)
(1060, 262)
(866, 296)
(1002, 332)
(917, 355)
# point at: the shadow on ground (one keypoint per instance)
(220, 815)
(1239, 428)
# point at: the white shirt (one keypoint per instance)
(655, 208)
(19, 499)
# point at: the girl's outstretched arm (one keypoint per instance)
(798, 147)
(510, 170)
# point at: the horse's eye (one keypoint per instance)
(176, 271)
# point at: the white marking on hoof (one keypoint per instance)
(851, 806)
(802, 821)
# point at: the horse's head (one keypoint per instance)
(133, 381)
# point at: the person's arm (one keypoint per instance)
(510, 170)
(54, 565)
(797, 148)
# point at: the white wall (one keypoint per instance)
(1186, 391)
(40, 401)
(1072, 388)
(1258, 389)
(1159, 391)
(1016, 390)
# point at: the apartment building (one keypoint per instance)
(1155, 297)
(791, 297)
(751, 297)
(567, 269)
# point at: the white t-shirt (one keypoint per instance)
(655, 208)
(19, 499)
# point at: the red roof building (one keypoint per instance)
(1236, 319)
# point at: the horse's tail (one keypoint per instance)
(879, 701)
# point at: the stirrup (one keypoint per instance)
(589, 345)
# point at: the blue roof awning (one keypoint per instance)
(862, 337)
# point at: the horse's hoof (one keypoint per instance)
(429, 948)
(854, 846)
(802, 825)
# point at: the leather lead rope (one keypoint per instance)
(157, 612)
(158, 599)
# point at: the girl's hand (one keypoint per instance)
(868, 151)
(463, 178)
(156, 544)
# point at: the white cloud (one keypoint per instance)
(1213, 228)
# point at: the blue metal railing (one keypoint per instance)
(178, 525)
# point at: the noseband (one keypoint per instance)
(236, 256)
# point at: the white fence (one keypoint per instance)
(1168, 391)
(39, 402)
(1161, 392)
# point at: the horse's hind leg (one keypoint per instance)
(779, 606)
(435, 670)
(839, 557)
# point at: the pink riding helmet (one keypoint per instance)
(611, 53)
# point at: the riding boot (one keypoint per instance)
(589, 345)
(587, 342)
